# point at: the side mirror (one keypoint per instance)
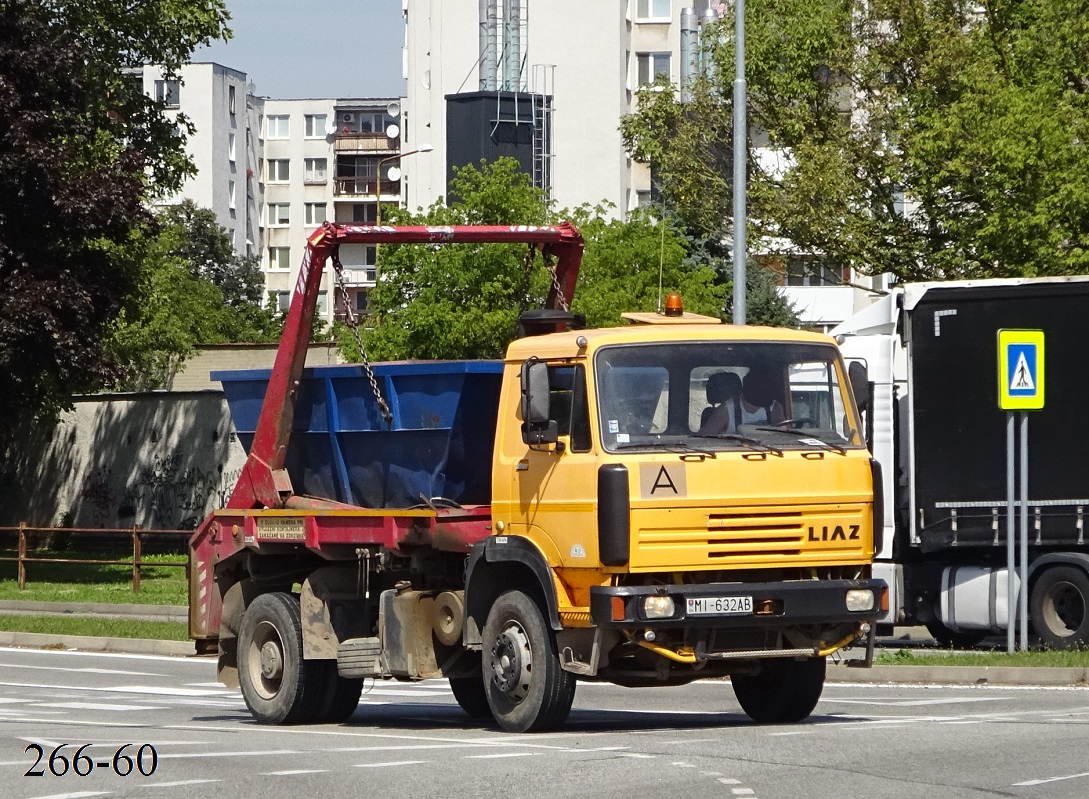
(537, 427)
(860, 384)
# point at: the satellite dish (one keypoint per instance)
(392, 132)
(394, 109)
(393, 173)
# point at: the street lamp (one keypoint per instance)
(423, 148)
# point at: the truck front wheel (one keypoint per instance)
(526, 688)
(1058, 603)
(782, 692)
(278, 685)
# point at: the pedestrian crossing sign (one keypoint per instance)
(1020, 370)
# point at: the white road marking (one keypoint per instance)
(77, 795)
(1051, 779)
(637, 754)
(742, 791)
(158, 785)
(392, 763)
(81, 671)
(94, 706)
(296, 771)
(729, 781)
(502, 754)
(114, 655)
(124, 689)
(192, 755)
(918, 702)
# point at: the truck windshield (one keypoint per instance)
(769, 396)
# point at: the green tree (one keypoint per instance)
(928, 139)
(462, 301)
(187, 267)
(81, 150)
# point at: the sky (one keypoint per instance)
(293, 49)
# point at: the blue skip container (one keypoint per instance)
(438, 447)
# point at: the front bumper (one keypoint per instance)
(775, 605)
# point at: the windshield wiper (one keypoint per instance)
(745, 441)
(671, 446)
(808, 434)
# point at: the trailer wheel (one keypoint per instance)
(525, 686)
(782, 692)
(1057, 607)
(278, 685)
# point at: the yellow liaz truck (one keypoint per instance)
(673, 500)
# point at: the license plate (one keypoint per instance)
(720, 606)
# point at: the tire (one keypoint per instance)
(784, 691)
(472, 696)
(524, 684)
(1058, 605)
(339, 696)
(278, 685)
(952, 638)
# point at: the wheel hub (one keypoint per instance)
(272, 661)
(512, 662)
(1066, 607)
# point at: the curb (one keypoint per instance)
(961, 675)
(17, 607)
(86, 643)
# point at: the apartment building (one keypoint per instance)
(547, 81)
(326, 160)
(225, 148)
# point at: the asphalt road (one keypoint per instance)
(413, 741)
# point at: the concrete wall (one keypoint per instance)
(160, 460)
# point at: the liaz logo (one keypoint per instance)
(836, 533)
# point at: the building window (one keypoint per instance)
(277, 126)
(279, 214)
(231, 147)
(279, 170)
(810, 270)
(316, 170)
(169, 92)
(279, 258)
(280, 300)
(651, 66)
(364, 213)
(315, 214)
(654, 10)
(363, 303)
(230, 100)
(315, 126)
(322, 306)
(230, 194)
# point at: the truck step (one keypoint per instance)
(360, 657)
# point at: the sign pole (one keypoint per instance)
(1024, 531)
(1020, 389)
(1011, 533)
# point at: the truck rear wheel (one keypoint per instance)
(339, 695)
(783, 691)
(525, 686)
(1057, 607)
(278, 685)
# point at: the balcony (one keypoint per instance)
(362, 142)
(821, 306)
(362, 187)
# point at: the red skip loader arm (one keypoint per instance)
(264, 481)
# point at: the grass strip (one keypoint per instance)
(1078, 659)
(72, 582)
(101, 628)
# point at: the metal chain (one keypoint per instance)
(352, 321)
(556, 283)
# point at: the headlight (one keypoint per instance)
(658, 607)
(860, 600)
